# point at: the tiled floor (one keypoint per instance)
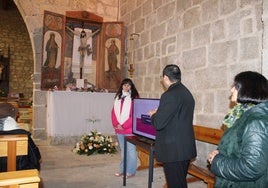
(61, 168)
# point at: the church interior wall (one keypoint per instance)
(211, 41)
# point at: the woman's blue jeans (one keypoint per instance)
(131, 156)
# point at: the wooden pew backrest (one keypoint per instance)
(12, 146)
(20, 179)
(207, 134)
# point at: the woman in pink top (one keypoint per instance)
(122, 122)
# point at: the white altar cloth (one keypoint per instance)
(76, 113)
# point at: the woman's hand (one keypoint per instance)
(119, 127)
(212, 155)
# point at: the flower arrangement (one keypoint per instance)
(94, 143)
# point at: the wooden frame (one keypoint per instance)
(110, 69)
(52, 53)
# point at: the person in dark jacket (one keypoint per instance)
(173, 120)
(9, 126)
(241, 160)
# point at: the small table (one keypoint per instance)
(145, 145)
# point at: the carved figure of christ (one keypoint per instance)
(84, 49)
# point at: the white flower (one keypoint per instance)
(95, 141)
(75, 150)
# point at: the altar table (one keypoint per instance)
(76, 113)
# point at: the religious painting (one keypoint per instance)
(82, 39)
(51, 73)
(80, 47)
(113, 36)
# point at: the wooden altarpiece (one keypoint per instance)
(65, 60)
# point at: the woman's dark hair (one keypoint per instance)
(134, 92)
(252, 87)
(173, 72)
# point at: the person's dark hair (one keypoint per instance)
(7, 109)
(134, 92)
(173, 72)
(252, 87)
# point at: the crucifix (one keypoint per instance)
(84, 48)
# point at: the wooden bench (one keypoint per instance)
(203, 134)
(20, 179)
(207, 135)
(12, 146)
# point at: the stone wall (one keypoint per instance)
(265, 38)
(14, 35)
(211, 41)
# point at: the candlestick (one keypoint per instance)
(131, 69)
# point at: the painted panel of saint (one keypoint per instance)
(51, 73)
(114, 50)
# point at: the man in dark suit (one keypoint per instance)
(173, 120)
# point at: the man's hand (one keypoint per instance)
(152, 112)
